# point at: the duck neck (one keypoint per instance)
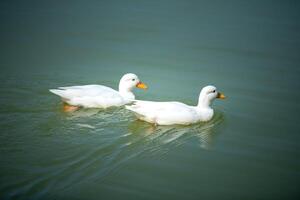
(204, 110)
(126, 92)
(204, 102)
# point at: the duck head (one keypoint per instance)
(208, 94)
(127, 83)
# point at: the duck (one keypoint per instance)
(170, 113)
(99, 96)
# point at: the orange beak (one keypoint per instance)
(141, 85)
(220, 96)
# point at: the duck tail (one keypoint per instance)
(57, 92)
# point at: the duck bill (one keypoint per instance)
(220, 96)
(141, 85)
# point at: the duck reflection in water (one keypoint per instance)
(154, 137)
(159, 136)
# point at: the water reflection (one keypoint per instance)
(83, 113)
(154, 138)
(97, 118)
(160, 136)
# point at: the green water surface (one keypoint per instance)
(248, 49)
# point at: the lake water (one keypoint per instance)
(248, 49)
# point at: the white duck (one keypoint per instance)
(168, 113)
(99, 96)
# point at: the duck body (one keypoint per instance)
(100, 96)
(91, 96)
(169, 113)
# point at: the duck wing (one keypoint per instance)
(84, 91)
(90, 96)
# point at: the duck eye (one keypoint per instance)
(214, 91)
(133, 79)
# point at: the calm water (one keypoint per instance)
(248, 49)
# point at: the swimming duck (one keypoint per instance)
(168, 113)
(99, 96)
